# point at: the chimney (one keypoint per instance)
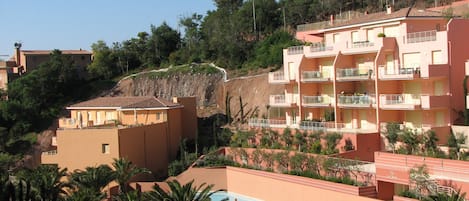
(388, 9)
(332, 20)
(17, 53)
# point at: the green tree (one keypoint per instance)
(181, 192)
(411, 140)
(162, 42)
(92, 180)
(47, 181)
(332, 139)
(392, 134)
(104, 64)
(124, 171)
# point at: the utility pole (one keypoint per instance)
(254, 17)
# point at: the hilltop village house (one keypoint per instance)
(146, 130)
(356, 75)
(24, 61)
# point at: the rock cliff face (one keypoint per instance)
(210, 90)
(203, 86)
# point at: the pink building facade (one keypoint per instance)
(405, 66)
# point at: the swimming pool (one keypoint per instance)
(231, 197)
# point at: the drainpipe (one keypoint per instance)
(135, 117)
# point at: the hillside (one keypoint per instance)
(209, 88)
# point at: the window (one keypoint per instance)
(411, 60)
(355, 36)
(370, 35)
(105, 149)
(391, 31)
(158, 116)
(437, 57)
(335, 38)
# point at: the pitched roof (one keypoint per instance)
(125, 102)
(375, 17)
(41, 52)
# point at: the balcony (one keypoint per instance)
(354, 74)
(282, 100)
(278, 78)
(295, 50)
(422, 36)
(317, 101)
(320, 47)
(362, 44)
(398, 73)
(399, 101)
(315, 76)
(317, 50)
(417, 128)
(68, 123)
(356, 101)
(267, 123)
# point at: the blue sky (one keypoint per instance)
(75, 24)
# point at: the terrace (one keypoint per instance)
(317, 101)
(356, 100)
(316, 76)
(398, 73)
(354, 74)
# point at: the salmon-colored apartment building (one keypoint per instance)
(26, 60)
(146, 130)
(355, 75)
(405, 66)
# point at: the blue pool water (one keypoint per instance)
(231, 197)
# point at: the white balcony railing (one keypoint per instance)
(282, 100)
(310, 125)
(422, 36)
(266, 123)
(50, 153)
(354, 73)
(398, 73)
(312, 76)
(295, 50)
(317, 100)
(277, 77)
(361, 44)
(320, 47)
(399, 99)
(356, 99)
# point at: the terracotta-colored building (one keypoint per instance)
(145, 130)
(24, 61)
(355, 75)
(355, 80)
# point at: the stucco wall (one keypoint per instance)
(80, 148)
(146, 146)
(189, 117)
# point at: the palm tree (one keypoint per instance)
(92, 179)
(186, 192)
(124, 170)
(46, 181)
(86, 195)
(454, 196)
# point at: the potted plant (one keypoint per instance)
(381, 35)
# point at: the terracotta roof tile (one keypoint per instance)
(127, 102)
(39, 52)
